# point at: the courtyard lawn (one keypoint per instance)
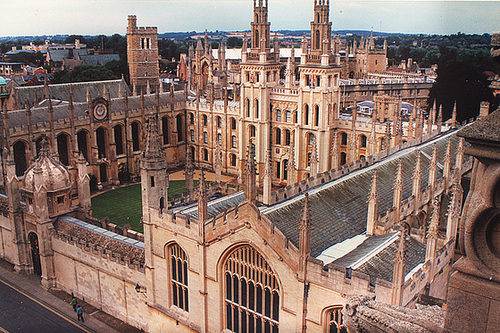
(123, 205)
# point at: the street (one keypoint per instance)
(21, 313)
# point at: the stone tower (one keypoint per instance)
(142, 53)
(321, 28)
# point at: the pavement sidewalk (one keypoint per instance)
(31, 286)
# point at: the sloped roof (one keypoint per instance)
(40, 114)
(58, 55)
(381, 265)
(485, 129)
(99, 59)
(215, 206)
(61, 91)
(339, 208)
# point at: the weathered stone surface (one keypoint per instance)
(364, 314)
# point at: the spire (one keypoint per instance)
(189, 173)
(454, 115)
(433, 113)
(251, 170)
(371, 220)
(417, 179)
(305, 234)
(440, 119)
(433, 170)
(202, 200)
(289, 74)
(334, 150)
(218, 162)
(268, 176)
(83, 184)
(447, 163)
(314, 158)
(398, 279)
(398, 192)
(153, 149)
(459, 160)
(454, 208)
(291, 166)
(245, 43)
(432, 233)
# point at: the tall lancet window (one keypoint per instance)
(252, 299)
(179, 277)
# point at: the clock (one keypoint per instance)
(100, 111)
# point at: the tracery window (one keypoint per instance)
(252, 299)
(334, 321)
(278, 115)
(179, 277)
(288, 116)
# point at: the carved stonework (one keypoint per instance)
(364, 315)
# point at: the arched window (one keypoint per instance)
(382, 143)
(306, 114)
(233, 141)
(62, 148)
(334, 321)
(287, 137)
(318, 40)
(136, 133)
(219, 139)
(102, 142)
(118, 132)
(247, 102)
(343, 158)
(82, 139)
(285, 169)
(205, 137)
(252, 300)
(343, 139)
(233, 160)
(20, 158)
(316, 115)
(164, 130)
(179, 127)
(219, 122)
(233, 124)
(252, 131)
(191, 118)
(278, 136)
(288, 116)
(205, 120)
(256, 108)
(179, 277)
(278, 115)
(192, 135)
(205, 154)
(310, 139)
(363, 141)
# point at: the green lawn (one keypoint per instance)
(123, 205)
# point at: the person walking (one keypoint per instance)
(79, 312)
(74, 303)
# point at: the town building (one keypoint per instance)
(334, 203)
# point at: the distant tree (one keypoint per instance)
(85, 73)
(234, 42)
(464, 84)
(27, 58)
(71, 39)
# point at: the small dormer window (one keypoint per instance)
(60, 200)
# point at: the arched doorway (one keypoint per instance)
(35, 253)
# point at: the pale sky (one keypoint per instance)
(93, 17)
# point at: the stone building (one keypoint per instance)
(328, 205)
(142, 54)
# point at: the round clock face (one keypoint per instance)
(100, 111)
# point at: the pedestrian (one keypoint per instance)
(74, 302)
(79, 312)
